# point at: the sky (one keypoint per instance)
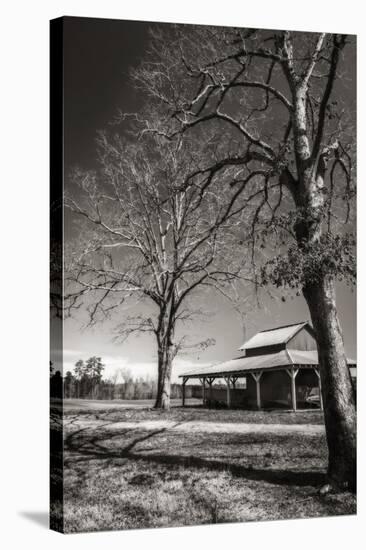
(98, 55)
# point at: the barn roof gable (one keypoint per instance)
(275, 336)
(280, 337)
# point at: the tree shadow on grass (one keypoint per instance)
(276, 477)
(92, 447)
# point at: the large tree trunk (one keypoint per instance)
(166, 353)
(165, 364)
(310, 195)
(339, 405)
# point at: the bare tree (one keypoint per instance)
(155, 227)
(113, 380)
(276, 100)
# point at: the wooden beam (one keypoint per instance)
(257, 377)
(292, 374)
(317, 372)
(228, 393)
(184, 391)
(204, 390)
(210, 382)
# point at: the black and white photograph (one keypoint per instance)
(203, 363)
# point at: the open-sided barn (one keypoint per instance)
(278, 368)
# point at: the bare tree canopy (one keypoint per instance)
(281, 105)
(156, 227)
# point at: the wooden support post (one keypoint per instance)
(228, 393)
(203, 382)
(184, 391)
(257, 378)
(210, 382)
(316, 369)
(292, 374)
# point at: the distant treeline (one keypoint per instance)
(87, 382)
(130, 388)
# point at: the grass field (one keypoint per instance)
(116, 404)
(138, 468)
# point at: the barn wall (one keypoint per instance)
(275, 388)
(193, 391)
(252, 392)
(238, 397)
(275, 391)
(303, 340)
(264, 350)
(306, 380)
(307, 377)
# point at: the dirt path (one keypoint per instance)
(198, 426)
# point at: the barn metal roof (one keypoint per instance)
(271, 361)
(270, 337)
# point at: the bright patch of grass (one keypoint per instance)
(120, 478)
(198, 413)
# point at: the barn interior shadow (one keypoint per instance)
(93, 446)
